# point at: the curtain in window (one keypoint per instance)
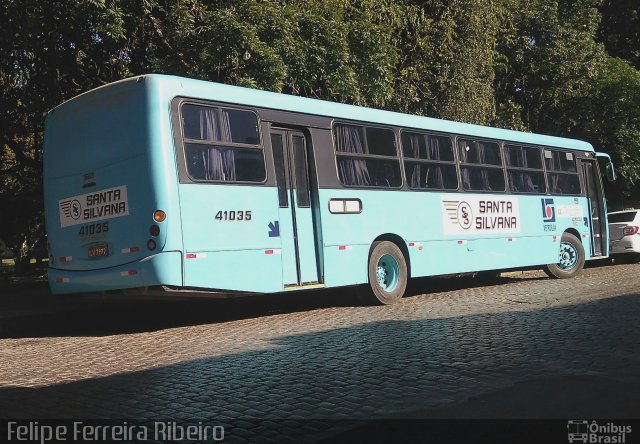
(465, 175)
(210, 131)
(352, 171)
(554, 187)
(520, 182)
(435, 149)
(228, 156)
(481, 153)
(219, 162)
(209, 128)
(464, 151)
(514, 180)
(529, 186)
(520, 158)
(215, 170)
(484, 173)
(414, 140)
(226, 126)
(486, 181)
(466, 178)
(554, 180)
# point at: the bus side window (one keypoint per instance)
(481, 165)
(242, 126)
(278, 160)
(429, 161)
(222, 145)
(367, 156)
(562, 172)
(524, 169)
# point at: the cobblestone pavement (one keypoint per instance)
(277, 368)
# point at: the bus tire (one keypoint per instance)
(387, 273)
(571, 258)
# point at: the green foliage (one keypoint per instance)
(620, 29)
(51, 51)
(466, 37)
(612, 116)
(548, 58)
(539, 65)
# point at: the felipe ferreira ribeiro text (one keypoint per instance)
(79, 431)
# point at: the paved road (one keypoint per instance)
(308, 367)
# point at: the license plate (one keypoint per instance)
(100, 250)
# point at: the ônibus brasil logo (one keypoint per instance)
(591, 432)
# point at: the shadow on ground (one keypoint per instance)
(31, 311)
(343, 385)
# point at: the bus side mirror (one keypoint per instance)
(611, 172)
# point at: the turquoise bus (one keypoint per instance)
(178, 185)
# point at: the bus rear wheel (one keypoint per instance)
(387, 274)
(571, 258)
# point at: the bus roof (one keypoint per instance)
(173, 86)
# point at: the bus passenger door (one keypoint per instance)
(296, 225)
(597, 214)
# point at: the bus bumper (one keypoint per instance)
(159, 269)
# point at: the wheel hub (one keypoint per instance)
(568, 256)
(387, 272)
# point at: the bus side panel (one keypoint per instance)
(242, 270)
(419, 219)
(571, 213)
(346, 266)
(231, 237)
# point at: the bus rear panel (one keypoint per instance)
(107, 176)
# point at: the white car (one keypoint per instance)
(624, 232)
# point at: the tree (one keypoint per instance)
(611, 118)
(534, 66)
(464, 46)
(620, 29)
(548, 57)
(51, 51)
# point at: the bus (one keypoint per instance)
(175, 185)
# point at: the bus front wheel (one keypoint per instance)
(571, 258)
(387, 273)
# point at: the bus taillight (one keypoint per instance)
(630, 230)
(159, 216)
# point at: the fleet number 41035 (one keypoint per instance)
(231, 216)
(87, 230)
